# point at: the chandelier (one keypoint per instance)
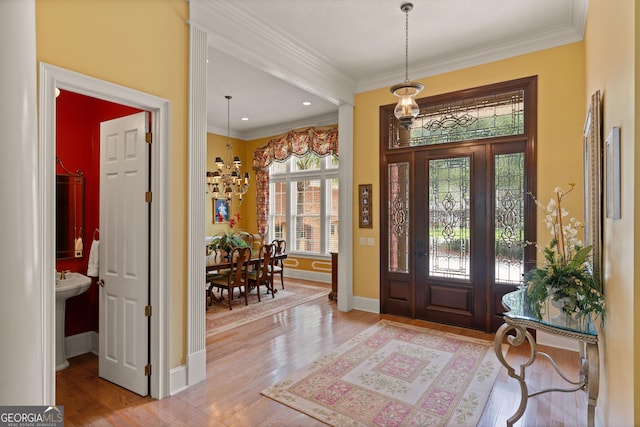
(227, 181)
(407, 109)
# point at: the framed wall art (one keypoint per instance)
(364, 206)
(612, 173)
(220, 210)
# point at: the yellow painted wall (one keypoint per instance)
(141, 45)
(612, 43)
(217, 147)
(561, 111)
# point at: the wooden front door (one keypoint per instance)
(454, 224)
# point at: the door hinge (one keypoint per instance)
(147, 311)
(147, 197)
(147, 370)
(147, 138)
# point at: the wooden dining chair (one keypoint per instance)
(263, 273)
(278, 264)
(236, 276)
(248, 238)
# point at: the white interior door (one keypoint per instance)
(124, 252)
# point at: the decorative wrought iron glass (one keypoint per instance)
(509, 218)
(398, 182)
(489, 116)
(449, 217)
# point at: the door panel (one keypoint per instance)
(511, 225)
(448, 288)
(398, 294)
(124, 252)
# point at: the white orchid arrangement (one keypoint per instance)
(566, 273)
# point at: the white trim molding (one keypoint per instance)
(196, 262)
(269, 50)
(50, 78)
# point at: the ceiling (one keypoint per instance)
(271, 55)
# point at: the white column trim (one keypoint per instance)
(24, 375)
(196, 349)
(345, 208)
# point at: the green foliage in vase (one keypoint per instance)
(229, 240)
(565, 274)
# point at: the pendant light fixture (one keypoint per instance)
(227, 181)
(407, 109)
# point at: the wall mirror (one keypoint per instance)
(593, 183)
(69, 216)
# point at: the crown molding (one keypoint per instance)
(278, 129)
(278, 54)
(471, 58)
(271, 51)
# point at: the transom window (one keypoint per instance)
(473, 118)
(303, 203)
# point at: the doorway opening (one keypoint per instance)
(457, 216)
(52, 79)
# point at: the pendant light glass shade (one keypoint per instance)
(407, 109)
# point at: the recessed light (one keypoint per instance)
(306, 103)
(244, 119)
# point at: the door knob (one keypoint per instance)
(101, 283)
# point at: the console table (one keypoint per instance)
(518, 319)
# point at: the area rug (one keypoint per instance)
(394, 374)
(219, 318)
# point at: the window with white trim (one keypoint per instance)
(303, 203)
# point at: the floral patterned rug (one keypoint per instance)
(394, 374)
(219, 318)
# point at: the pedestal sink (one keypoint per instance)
(73, 284)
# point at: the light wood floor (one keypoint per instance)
(246, 360)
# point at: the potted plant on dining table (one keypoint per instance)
(223, 243)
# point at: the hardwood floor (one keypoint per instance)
(243, 361)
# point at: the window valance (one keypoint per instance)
(322, 141)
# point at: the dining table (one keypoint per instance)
(222, 262)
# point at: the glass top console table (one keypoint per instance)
(518, 319)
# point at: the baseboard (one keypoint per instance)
(366, 304)
(86, 342)
(307, 275)
(178, 380)
(196, 367)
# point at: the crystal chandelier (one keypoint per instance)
(227, 181)
(407, 109)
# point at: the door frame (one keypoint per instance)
(403, 300)
(50, 78)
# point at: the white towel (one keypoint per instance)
(94, 258)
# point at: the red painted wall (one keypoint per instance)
(78, 120)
